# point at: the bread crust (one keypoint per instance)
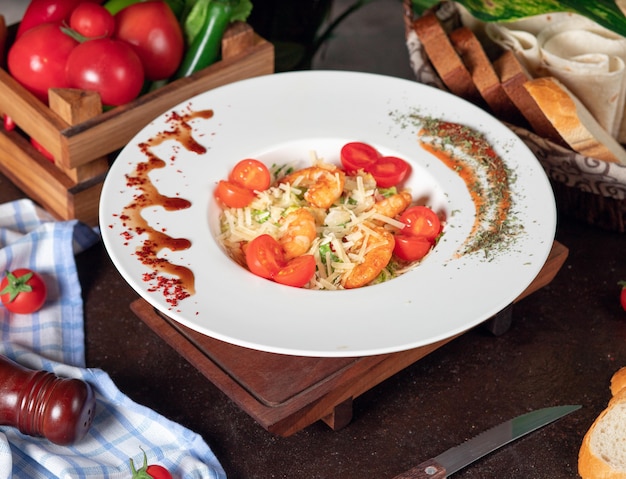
(573, 121)
(444, 58)
(591, 466)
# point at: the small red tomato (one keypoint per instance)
(233, 195)
(9, 124)
(92, 20)
(108, 66)
(158, 472)
(421, 221)
(23, 291)
(47, 155)
(153, 471)
(389, 171)
(297, 272)
(357, 156)
(265, 256)
(411, 248)
(622, 296)
(251, 174)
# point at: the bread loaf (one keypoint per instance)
(444, 58)
(573, 122)
(483, 74)
(513, 76)
(603, 453)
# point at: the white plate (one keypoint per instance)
(283, 117)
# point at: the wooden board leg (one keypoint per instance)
(341, 415)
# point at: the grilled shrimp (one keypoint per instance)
(299, 232)
(394, 205)
(324, 185)
(378, 244)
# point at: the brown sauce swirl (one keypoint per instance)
(176, 282)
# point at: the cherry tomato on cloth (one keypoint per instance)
(297, 272)
(23, 291)
(108, 66)
(622, 296)
(156, 35)
(411, 248)
(251, 174)
(158, 472)
(47, 11)
(421, 221)
(233, 195)
(389, 171)
(357, 156)
(37, 59)
(92, 20)
(265, 256)
(152, 471)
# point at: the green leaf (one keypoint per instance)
(603, 12)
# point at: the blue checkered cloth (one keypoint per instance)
(53, 339)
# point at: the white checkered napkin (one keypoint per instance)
(53, 339)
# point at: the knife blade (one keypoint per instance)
(464, 454)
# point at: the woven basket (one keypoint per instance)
(585, 188)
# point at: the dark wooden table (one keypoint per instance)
(565, 342)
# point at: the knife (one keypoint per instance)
(460, 456)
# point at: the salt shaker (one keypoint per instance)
(40, 403)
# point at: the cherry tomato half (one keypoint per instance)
(23, 291)
(265, 256)
(411, 248)
(297, 272)
(357, 156)
(421, 221)
(389, 171)
(233, 195)
(251, 174)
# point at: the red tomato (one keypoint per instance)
(158, 472)
(9, 124)
(411, 248)
(233, 195)
(23, 291)
(156, 35)
(357, 156)
(421, 221)
(92, 20)
(47, 11)
(389, 171)
(108, 66)
(154, 471)
(47, 155)
(622, 296)
(265, 256)
(251, 174)
(37, 59)
(297, 272)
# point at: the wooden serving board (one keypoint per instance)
(287, 393)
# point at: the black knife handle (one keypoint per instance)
(430, 469)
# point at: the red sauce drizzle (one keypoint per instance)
(176, 282)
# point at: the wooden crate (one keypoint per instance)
(82, 138)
